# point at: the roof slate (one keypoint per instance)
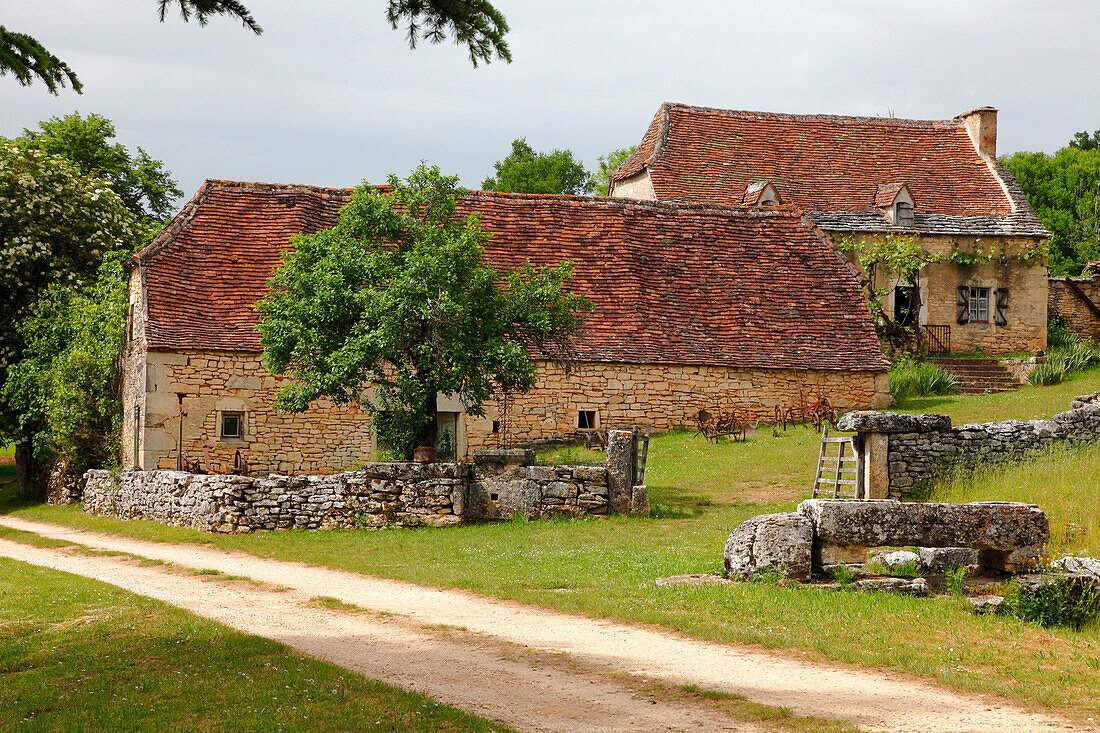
(831, 167)
(671, 284)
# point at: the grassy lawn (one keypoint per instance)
(701, 492)
(76, 654)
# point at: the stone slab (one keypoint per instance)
(771, 543)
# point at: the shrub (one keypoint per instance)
(911, 378)
(1071, 602)
(1074, 356)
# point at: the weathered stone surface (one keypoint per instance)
(1088, 566)
(620, 469)
(694, 579)
(779, 543)
(940, 560)
(904, 586)
(826, 553)
(1001, 526)
(504, 455)
(897, 559)
(1085, 399)
(872, 421)
(639, 501)
(986, 604)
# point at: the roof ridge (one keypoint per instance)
(953, 121)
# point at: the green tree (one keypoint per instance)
(1064, 190)
(475, 24)
(397, 303)
(1085, 141)
(145, 187)
(527, 171)
(608, 164)
(65, 389)
(55, 226)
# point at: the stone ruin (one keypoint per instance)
(821, 534)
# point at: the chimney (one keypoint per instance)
(982, 126)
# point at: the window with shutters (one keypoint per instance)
(1000, 314)
(979, 305)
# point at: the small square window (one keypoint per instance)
(979, 305)
(232, 425)
(496, 426)
(586, 419)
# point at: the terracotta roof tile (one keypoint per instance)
(682, 284)
(829, 165)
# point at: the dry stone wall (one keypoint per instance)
(1064, 301)
(922, 448)
(383, 494)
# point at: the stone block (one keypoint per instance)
(941, 560)
(779, 543)
(639, 501)
(1002, 526)
(903, 586)
(870, 421)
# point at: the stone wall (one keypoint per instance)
(384, 494)
(663, 396)
(1065, 302)
(499, 486)
(918, 449)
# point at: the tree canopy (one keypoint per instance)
(601, 183)
(475, 24)
(1064, 190)
(528, 171)
(145, 187)
(397, 303)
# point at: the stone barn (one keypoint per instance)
(696, 306)
(863, 179)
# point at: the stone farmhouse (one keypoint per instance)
(1076, 300)
(863, 179)
(696, 306)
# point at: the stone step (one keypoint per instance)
(978, 376)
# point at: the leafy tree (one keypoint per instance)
(398, 297)
(144, 186)
(608, 164)
(473, 23)
(55, 226)
(65, 389)
(527, 171)
(1064, 190)
(1084, 141)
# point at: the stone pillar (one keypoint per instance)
(620, 470)
(876, 472)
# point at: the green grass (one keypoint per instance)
(76, 654)
(700, 492)
(910, 378)
(1065, 482)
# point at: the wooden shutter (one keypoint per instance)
(962, 304)
(1000, 315)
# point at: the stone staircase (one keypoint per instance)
(977, 376)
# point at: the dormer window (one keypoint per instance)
(903, 214)
(760, 193)
(896, 204)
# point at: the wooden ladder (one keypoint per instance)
(834, 471)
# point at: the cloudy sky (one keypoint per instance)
(329, 95)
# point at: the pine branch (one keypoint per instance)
(473, 23)
(203, 9)
(26, 59)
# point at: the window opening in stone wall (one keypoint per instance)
(904, 214)
(586, 419)
(906, 305)
(232, 425)
(979, 305)
(496, 426)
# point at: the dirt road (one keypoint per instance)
(534, 669)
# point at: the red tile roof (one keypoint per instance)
(822, 163)
(887, 192)
(678, 284)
